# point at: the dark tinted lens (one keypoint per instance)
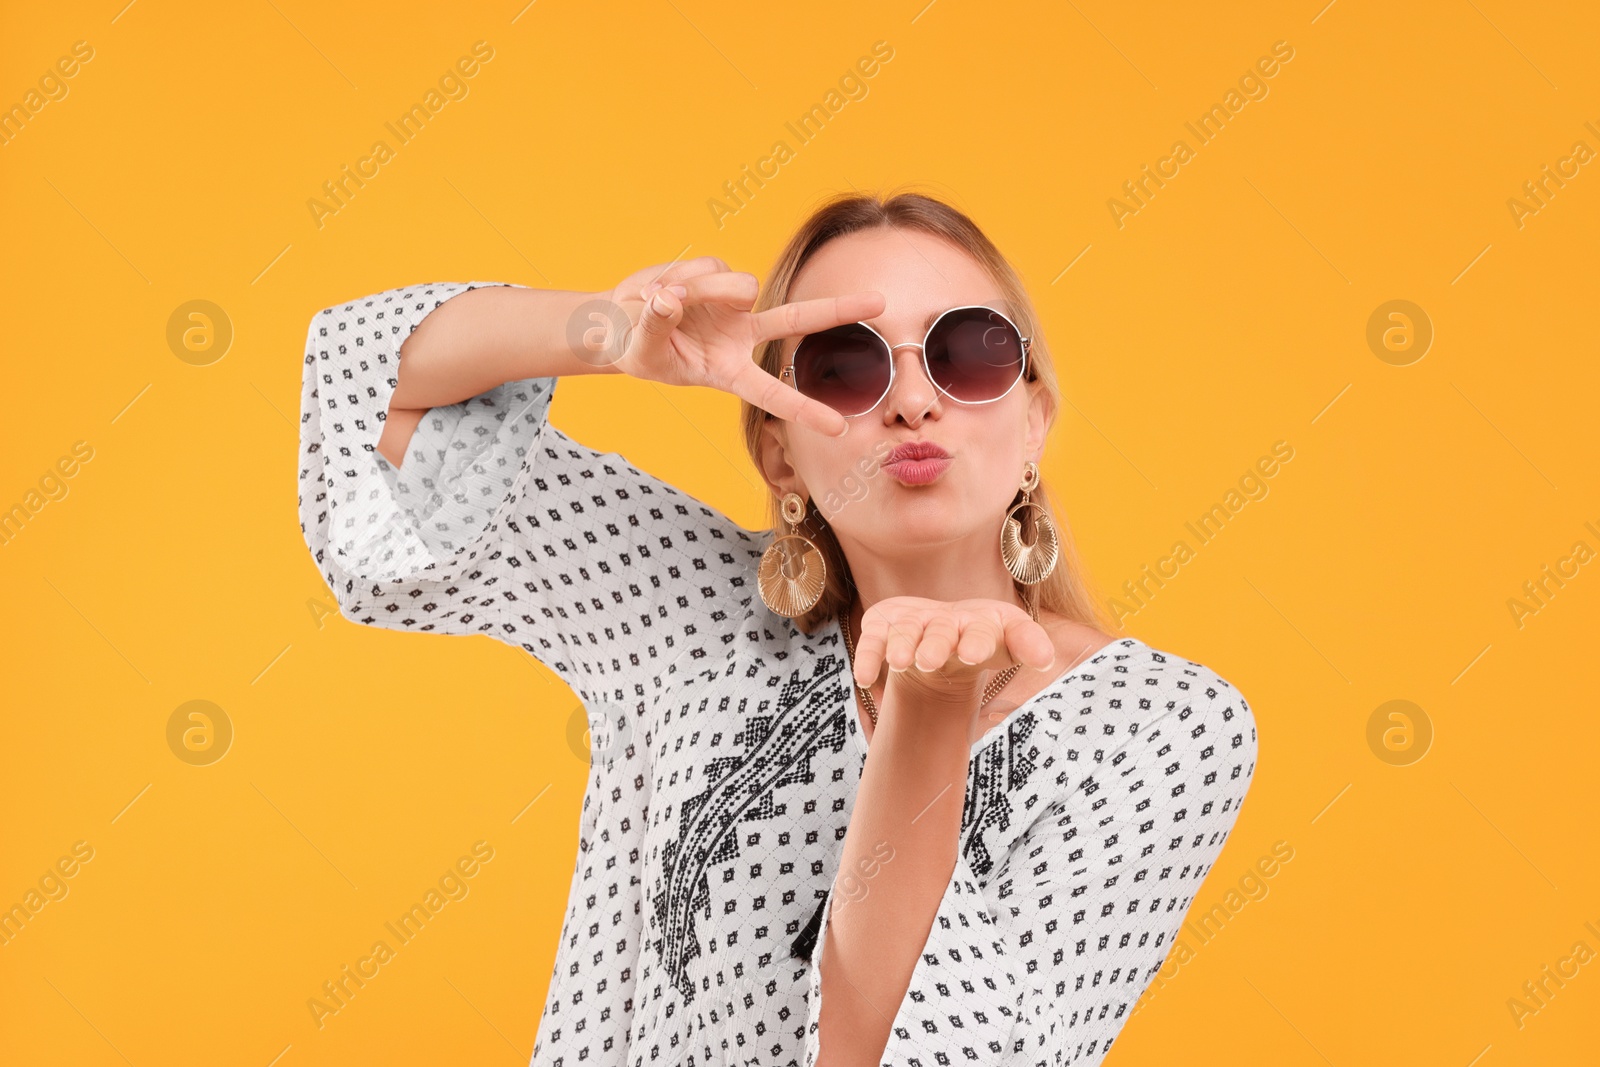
(846, 368)
(974, 354)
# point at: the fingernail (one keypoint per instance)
(648, 289)
(660, 306)
(680, 290)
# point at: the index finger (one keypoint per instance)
(776, 397)
(809, 316)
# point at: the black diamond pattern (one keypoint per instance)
(712, 829)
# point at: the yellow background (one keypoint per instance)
(1229, 313)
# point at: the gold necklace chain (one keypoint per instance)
(990, 692)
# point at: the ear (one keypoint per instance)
(774, 465)
(1041, 414)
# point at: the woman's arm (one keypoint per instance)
(899, 853)
(1040, 949)
(697, 330)
(482, 339)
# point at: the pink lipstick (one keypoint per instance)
(917, 462)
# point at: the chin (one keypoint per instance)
(919, 518)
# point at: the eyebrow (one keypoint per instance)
(933, 316)
(1001, 304)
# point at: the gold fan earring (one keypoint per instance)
(1030, 562)
(792, 572)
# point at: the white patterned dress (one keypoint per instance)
(728, 749)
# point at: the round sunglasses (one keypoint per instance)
(973, 354)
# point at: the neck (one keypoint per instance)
(959, 570)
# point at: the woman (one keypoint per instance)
(981, 850)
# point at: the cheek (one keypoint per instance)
(995, 448)
(836, 472)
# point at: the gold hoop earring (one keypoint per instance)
(1029, 562)
(792, 572)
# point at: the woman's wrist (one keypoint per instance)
(931, 708)
(925, 724)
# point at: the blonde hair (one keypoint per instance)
(1065, 591)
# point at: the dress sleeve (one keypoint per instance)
(497, 522)
(1042, 963)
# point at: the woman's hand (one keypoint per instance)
(690, 323)
(937, 651)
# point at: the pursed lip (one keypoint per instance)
(917, 462)
(912, 450)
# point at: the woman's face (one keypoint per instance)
(919, 275)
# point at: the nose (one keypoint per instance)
(912, 396)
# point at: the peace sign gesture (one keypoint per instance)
(690, 323)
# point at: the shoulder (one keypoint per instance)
(677, 535)
(1172, 683)
(1130, 689)
(1189, 711)
(1128, 663)
(671, 505)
